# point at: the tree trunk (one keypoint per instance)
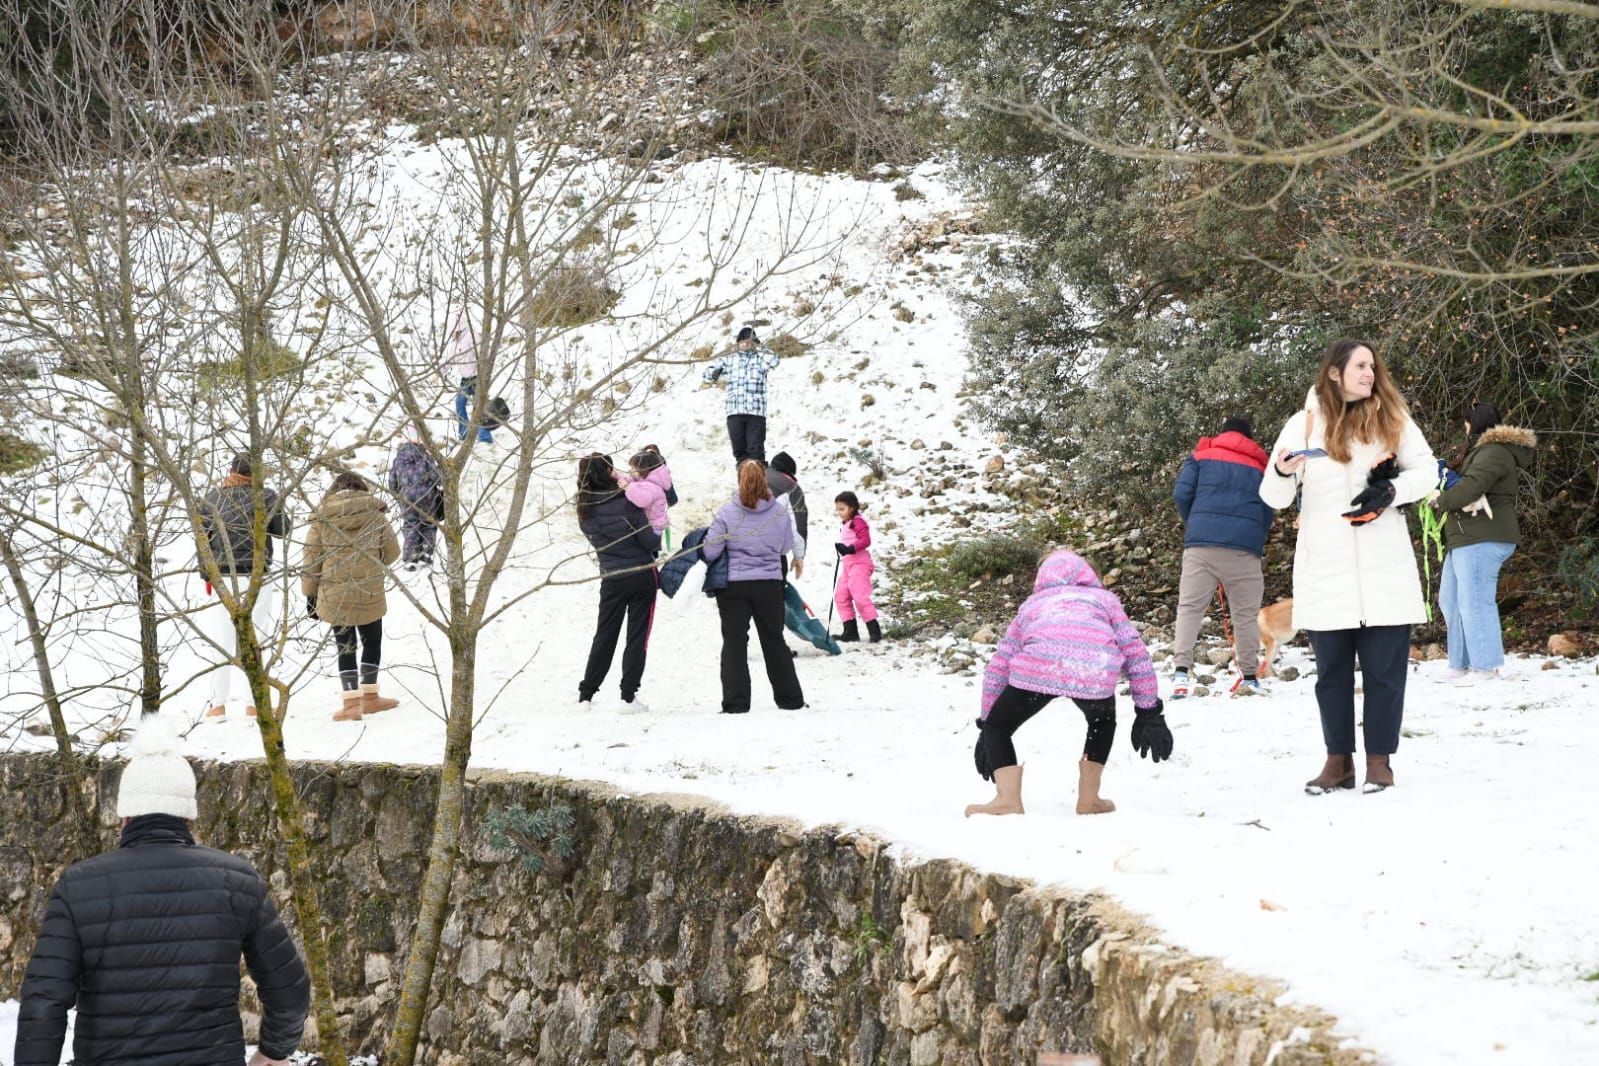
(143, 552)
(71, 775)
(302, 878)
(443, 851)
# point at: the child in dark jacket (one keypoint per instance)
(1070, 638)
(1224, 536)
(853, 594)
(418, 484)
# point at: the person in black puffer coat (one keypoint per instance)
(626, 545)
(145, 940)
(417, 481)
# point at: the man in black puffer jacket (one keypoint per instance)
(145, 940)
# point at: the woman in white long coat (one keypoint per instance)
(1353, 455)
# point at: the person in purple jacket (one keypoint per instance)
(1070, 638)
(755, 531)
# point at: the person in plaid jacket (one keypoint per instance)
(745, 369)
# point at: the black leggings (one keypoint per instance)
(371, 641)
(1015, 705)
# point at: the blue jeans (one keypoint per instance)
(463, 403)
(1469, 596)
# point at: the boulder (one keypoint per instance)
(995, 465)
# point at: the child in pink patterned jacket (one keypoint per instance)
(650, 487)
(853, 595)
(1071, 638)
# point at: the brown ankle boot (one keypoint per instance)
(351, 710)
(372, 703)
(1089, 775)
(1379, 775)
(1339, 772)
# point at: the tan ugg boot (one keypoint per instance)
(372, 703)
(1007, 794)
(217, 713)
(1089, 801)
(351, 711)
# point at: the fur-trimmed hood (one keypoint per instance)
(1514, 435)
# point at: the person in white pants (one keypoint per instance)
(228, 517)
(219, 628)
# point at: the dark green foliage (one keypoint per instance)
(541, 837)
(1151, 296)
(1578, 567)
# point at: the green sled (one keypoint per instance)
(804, 623)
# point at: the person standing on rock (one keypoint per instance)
(1070, 638)
(745, 369)
(755, 531)
(626, 544)
(345, 568)
(229, 516)
(1224, 536)
(1480, 531)
(145, 940)
(1352, 456)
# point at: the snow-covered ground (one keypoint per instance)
(1447, 921)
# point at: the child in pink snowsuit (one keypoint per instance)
(1071, 638)
(854, 592)
(650, 487)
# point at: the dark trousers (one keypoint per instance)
(1015, 705)
(368, 639)
(1384, 654)
(748, 434)
(761, 602)
(630, 597)
(420, 534)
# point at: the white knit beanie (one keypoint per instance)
(157, 780)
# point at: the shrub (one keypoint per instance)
(573, 296)
(787, 345)
(994, 555)
(17, 455)
(541, 838)
(272, 360)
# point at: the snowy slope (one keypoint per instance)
(1445, 922)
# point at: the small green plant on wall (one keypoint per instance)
(542, 838)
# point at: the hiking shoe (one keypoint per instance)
(1248, 686)
(1179, 685)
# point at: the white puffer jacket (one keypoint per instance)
(1350, 576)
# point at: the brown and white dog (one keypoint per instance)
(1276, 627)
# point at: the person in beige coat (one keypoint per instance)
(1354, 456)
(348, 552)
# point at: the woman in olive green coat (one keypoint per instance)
(1481, 531)
(348, 552)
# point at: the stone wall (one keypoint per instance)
(684, 934)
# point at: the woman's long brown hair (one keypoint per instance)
(1380, 418)
(752, 486)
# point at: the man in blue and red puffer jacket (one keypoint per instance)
(1225, 526)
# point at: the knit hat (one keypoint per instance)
(747, 333)
(1239, 424)
(157, 779)
(783, 463)
(241, 465)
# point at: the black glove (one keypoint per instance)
(844, 549)
(1151, 737)
(310, 606)
(1386, 470)
(1373, 501)
(980, 756)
